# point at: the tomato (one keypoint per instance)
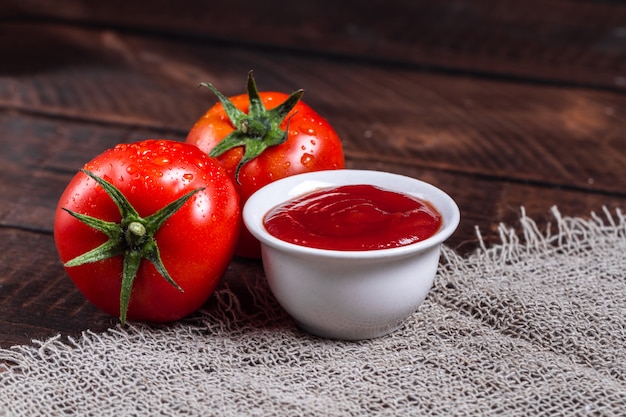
(146, 230)
(247, 133)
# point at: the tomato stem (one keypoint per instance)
(135, 234)
(132, 238)
(257, 130)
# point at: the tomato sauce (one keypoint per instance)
(353, 218)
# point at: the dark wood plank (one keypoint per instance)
(69, 91)
(544, 40)
(42, 155)
(565, 137)
(38, 300)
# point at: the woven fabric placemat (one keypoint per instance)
(534, 326)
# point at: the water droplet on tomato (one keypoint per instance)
(161, 160)
(188, 176)
(306, 159)
(145, 150)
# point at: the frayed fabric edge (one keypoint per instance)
(565, 235)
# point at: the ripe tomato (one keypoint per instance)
(158, 261)
(247, 134)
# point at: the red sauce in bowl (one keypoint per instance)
(353, 218)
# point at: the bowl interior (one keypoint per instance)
(291, 187)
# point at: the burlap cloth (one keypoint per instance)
(533, 326)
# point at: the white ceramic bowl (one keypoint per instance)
(349, 295)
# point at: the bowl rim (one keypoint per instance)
(303, 183)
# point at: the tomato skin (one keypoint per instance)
(196, 243)
(312, 145)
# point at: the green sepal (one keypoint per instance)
(108, 249)
(132, 260)
(132, 238)
(257, 130)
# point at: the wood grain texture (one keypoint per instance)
(504, 129)
(504, 105)
(560, 41)
(37, 299)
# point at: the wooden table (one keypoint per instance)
(501, 104)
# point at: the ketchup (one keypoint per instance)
(353, 218)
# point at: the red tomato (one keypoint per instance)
(195, 243)
(247, 134)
